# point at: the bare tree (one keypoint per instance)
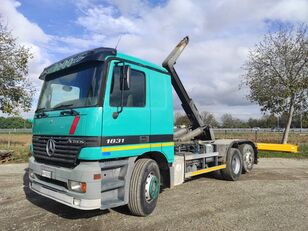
(228, 121)
(209, 119)
(276, 72)
(181, 119)
(15, 89)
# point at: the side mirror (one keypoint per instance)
(125, 77)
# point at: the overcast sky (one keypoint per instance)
(221, 33)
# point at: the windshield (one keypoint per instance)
(79, 88)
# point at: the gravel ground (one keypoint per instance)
(273, 197)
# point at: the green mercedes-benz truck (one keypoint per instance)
(103, 134)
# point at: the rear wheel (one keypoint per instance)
(144, 187)
(234, 166)
(248, 157)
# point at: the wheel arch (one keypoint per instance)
(162, 163)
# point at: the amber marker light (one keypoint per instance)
(83, 187)
(97, 176)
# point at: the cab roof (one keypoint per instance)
(97, 54)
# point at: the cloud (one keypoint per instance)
(107, 21)
(30, 35)
(221, 33)
(21, 27)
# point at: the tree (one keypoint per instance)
(14, 122)
(15, 89)
(180, 119)
(228, 121)
(267, 121)
(276, 72)
(209, 119)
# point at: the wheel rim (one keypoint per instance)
(236, 164)
(151, 187)
(248, 158)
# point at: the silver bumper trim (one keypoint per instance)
(85, 204)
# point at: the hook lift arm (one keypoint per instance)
(200, 130)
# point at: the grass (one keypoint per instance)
(15, 139)
(20, 153)
(263, 154)
(294, 138)
(19, 144)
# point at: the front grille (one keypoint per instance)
(66, 149)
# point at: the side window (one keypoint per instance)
(135, 96)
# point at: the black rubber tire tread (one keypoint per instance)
(133, 198)
(242, 149)
(227, 173)
(136, 202)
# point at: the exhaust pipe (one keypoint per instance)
(180, 132)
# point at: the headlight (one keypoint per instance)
(31, 173)
(77, 186)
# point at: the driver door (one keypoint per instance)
(132, 126)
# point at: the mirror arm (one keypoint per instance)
(116, 114)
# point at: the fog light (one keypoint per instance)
(31, 173)
(77, 186)
(76, 202)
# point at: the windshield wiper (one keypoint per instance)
(40, 114)
(40, 109)
(69, 112)
(62, 106)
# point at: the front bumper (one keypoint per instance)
(55, 185)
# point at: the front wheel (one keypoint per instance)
(234, 166)
(144, 187)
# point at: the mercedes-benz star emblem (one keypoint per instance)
(50, 147)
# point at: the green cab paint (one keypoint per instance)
(155, 117)
(89, 124)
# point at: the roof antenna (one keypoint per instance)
(118, 42)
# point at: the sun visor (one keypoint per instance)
(98, 54)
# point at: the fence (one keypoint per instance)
(16, 130)
(258, 130)
(217, 130)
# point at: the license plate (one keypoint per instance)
(46, 174)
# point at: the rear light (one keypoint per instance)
(77, 186)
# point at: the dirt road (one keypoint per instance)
(273, 197)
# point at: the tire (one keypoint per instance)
(234, 166)
(248, 157)
(144, 187)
